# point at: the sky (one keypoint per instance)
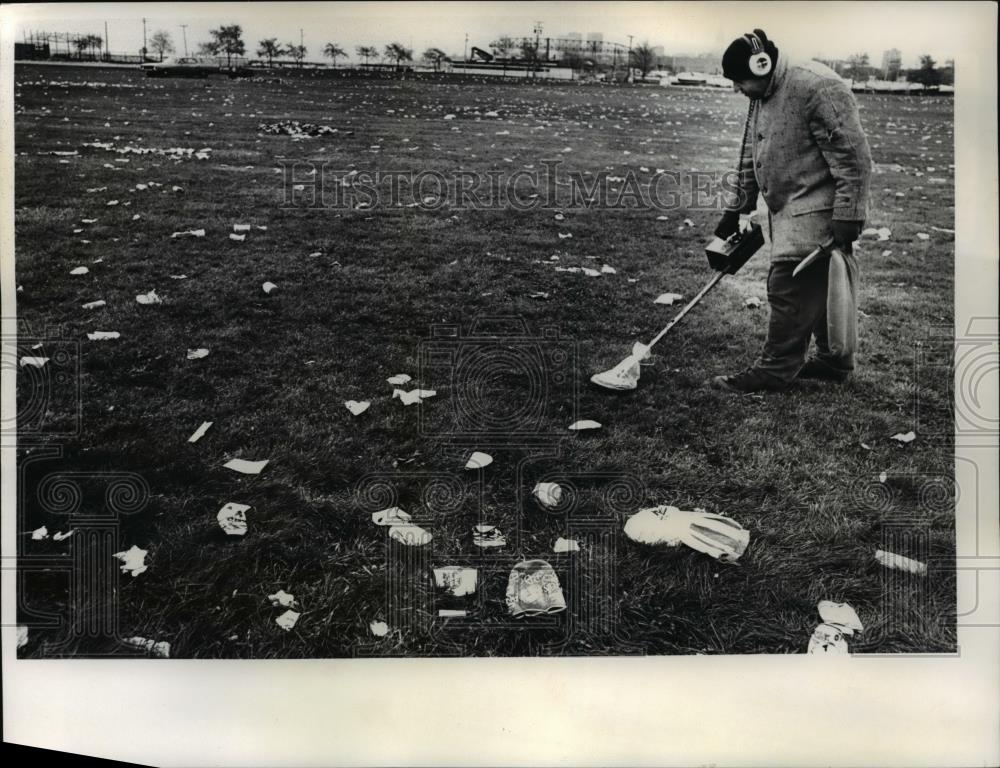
(805, 29)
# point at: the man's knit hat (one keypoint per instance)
(736, 59)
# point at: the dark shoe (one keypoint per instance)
(751, 380)
(817, 369)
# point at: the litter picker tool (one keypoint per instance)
(735, 252)
(823, 250)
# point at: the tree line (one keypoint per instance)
(227, 40)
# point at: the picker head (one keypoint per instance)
(625, 375)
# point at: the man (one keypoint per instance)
(806, 154)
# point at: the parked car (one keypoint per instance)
(181, 67)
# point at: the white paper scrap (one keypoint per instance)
(357, 407)
(246, 467)
(200, 432)
(232, 519)
(478, 460)
(133, 560)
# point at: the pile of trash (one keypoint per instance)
(296, 129)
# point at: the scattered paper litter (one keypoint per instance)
(827, 640)
(233, 519)
(190, 233)
(281, 599)
(34, 362)
(585, 424)
(840, 615)
(752, 302)
(22, 636)
(287, 620)
(548, 494)
(160, 650)
(241, 227)
(103, 335)
(457, 580)
(538, 295)
(711, 534)
(197, 354)
(478, 460)
(391, 516)
(149, 298)
(133, 560)
(79, 271)
(566, 545)
(488, 536)
(95, 304)
(900, 563)
(357, 407)
(268, 287)
(379, 628)
(237, 238)
(40, 534)
(608, 270)
(923, 236)
(907, 437)
(399, 379)
(246, 467)
(668, 298)
(533, 589)
(63, 536)
(200, 432)
(410, 535)
(882, 477)
(413, 396)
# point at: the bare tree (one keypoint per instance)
(502, 46)
(161, 43)
(398, 53)
(88, 42)
(228, 39)
(435, 57)
(297, 52)
(927, 75)
(643, 59)
(858, 66)
(270, 48)
(367, 52)
(335, 52)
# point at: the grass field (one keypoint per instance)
(358, 293)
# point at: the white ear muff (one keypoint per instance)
(760, 64)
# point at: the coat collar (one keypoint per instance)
(780, 70)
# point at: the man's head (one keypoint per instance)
(749, 62)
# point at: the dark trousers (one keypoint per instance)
(798, 312)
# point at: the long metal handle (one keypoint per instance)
(690, 305)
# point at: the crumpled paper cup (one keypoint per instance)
(533, 589)
(827, 640)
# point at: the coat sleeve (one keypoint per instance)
(836, 127)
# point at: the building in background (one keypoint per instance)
(892, 61)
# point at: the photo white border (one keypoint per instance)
(737, 710)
